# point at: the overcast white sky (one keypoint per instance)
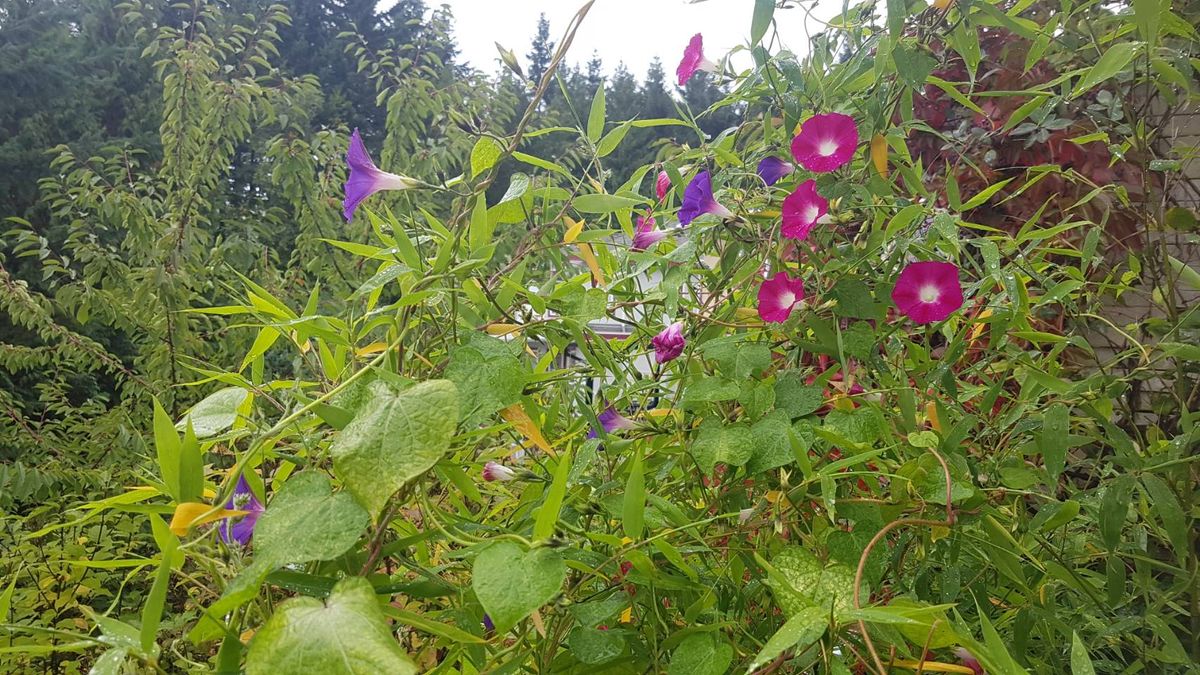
(633, 31)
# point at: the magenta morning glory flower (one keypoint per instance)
(365, 179)
(698, 200)
(968, 659)
(928, 291)
(494, 471)
(669, 344)
(693, 60)
(239, 529)
(771, 169)
(825, 142)
(777, 296)
(802, 209)
(646, 235)
(662, 185)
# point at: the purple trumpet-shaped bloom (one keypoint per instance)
(611, 420)
(693, 60)
(495, 471)
(487, 623)
(825, 142)
(698, 199)
(669, 344)
(927, 292)
(239, 529)
(802, 209)
(646, 234)
(662, 185)
(365, 179)
(771, 169)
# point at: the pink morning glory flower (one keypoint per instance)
(777, 296)
(365, 179)
(698, 200)
(928, 291)
(693, 60)
(239, 529)
(826, 142)
(662, 185)
(968, 659)
(646, 234)
(802, 209)
(669, 344)
(771, 169)
(493, 471)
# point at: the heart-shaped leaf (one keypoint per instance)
(511, 582)
(395, 438)
(307, 521)
(345, 633)
(801, 581)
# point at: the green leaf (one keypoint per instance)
(1081, 663)
(595, 123)
(157, 598)
(489, 376)
(1052, 439)
(701, 654)
(794, 396)
(1185, 273)
(897, 11)
(612, 140)
(803, 582)
(547, 516)
(772, 443)
(854, 299)
(191, 467)
(511, 582)
(1164, 504)
(731, 444)
(345, 633)
(484, 155)
(593, 647)
(1148, 16)
(710, 390)
(307, 521)
(216, 412)
(479, 231)
(1113, 61)
(760, 21)
(394, 439)
(110, 662)
(804, 628)
(633, 512)
(913, 65)
(602, 203)
(985, 194)
(167, 447)
(427, 625)
(1114, 506)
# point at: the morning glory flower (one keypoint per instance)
(968, 659)
(669, 344)
(927, 292)
(611, 420)
(239, 529)
(493, 471)
(365, 179)
(662, 185)
(777, 296)
(826, 142)
(771, 169)
(693, 60)
(802, 209)
(698, 200)
(646, 234)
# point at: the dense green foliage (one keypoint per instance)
(843, 491)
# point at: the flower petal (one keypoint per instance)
(826, 142)
(771, 169)
(927, 292)
(802, 209)
(698, 200)
(777, 296)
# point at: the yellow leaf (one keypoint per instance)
(978, 330)
(942, 5)
(516, 416)
(773, 496)
(879, 154)
(746, 314)
(538, 624)
(585, 252)
(660, 412)
(373, 348)
(796, 131)
(931, 414)
(247, 634)
(192, 514)
(573, 230)
(627, 615)
(502, 328)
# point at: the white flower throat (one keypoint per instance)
(827, 147)
(929, 293)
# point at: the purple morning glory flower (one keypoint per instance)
(771, 169)
(365, 179)
(698, 200)
(239, 529)
(669, 344)
(611, 420)
(487, 623)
